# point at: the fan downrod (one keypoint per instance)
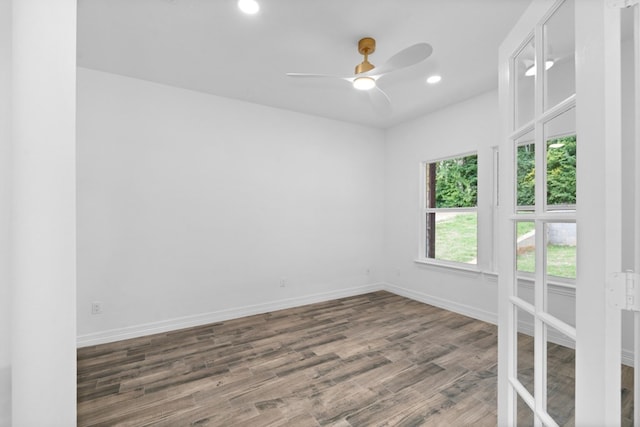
(366, 46)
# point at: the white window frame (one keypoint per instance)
(424, 210)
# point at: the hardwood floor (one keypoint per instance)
(370, 360)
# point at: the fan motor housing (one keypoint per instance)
(366, 46)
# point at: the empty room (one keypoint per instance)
(319, 213)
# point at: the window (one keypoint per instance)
(449, 210)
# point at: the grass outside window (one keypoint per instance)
(457, 237)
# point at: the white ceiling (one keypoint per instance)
(210, 46)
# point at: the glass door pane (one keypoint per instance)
(561, 161)
(524, 65)
(559, 56)
(561, 249)
(561, 377)
(524, 341)
(526, 172)
(524, 414)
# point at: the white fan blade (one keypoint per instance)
(324, 76)
(380, 101)
(403, 59)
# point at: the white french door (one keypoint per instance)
(635, 70)
(560, 186)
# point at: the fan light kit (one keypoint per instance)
(367, 75)
(364, 83)
(250, 7)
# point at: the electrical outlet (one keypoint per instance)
(96, 307)
(367, 271)
(283, 282)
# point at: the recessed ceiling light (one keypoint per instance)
(250, 7)
(531, 71)
(364, 83)
(434, 79)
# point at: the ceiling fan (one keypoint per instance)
(367, 75)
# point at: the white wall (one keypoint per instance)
(462, 128)
(193, 207)
(5, 201)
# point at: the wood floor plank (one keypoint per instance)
(370, 360)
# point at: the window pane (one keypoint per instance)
(525, 290)
(560, 136)
(524, 414)
(559, 57)
(561, 374)
(561, 250)
(455, 236)
(457, 182)
(526, 246)
(525, 346)
(526, 173)
(524, 85)
(430, 249)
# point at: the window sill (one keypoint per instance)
(560, 286)
(450, 266)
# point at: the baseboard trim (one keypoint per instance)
(465, 310)
(627, 357)
(218, 316)
(234, 313)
